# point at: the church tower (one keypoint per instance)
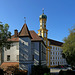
(43, 33)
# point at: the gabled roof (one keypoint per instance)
(54, 42)
(24, 32)
(34, 36)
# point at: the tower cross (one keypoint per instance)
(25, 20)
(43, 10)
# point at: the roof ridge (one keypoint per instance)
(54, 40)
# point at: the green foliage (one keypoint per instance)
(15, 70)
(46, 73)
(69, 48)
(4, 35)
(40, 70)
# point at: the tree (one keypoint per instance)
(4, 35)
(69, 48)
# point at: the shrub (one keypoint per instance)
(39, 70)
(1, 72)
(68, 72)
(46, 73)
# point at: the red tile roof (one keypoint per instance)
(14, 39)
(4, 65)
(24, 32)
(34, 36)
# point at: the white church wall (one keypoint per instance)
(12, 52)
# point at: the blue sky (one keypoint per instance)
(60, 15)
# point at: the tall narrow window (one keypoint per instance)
(48, 43)
(53, 62)
(45, 42)
(45, 34)
(56, 48)
(43, 23)
(53, 52)
(40, 33)
(56, 53)
(53, 57)
(33, 57)
(8, 57)
(56, 57)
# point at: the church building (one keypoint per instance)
(29, 48)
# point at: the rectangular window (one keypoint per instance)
(53, 57)
(56, 53)
(48, 43)
(45, 42)
(56, 57)
(45, 34)
(53, 53)
(33, 57)
(8, 57)
(53, 63)
(50, 47)
(17, 57)
(53, 48)
(56, 48)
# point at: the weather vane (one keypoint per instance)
(43, 10)
(25, 20)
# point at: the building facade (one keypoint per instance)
(28, 48)
(53, 50)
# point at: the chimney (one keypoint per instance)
(16, 33)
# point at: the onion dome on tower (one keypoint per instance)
(43, 16)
